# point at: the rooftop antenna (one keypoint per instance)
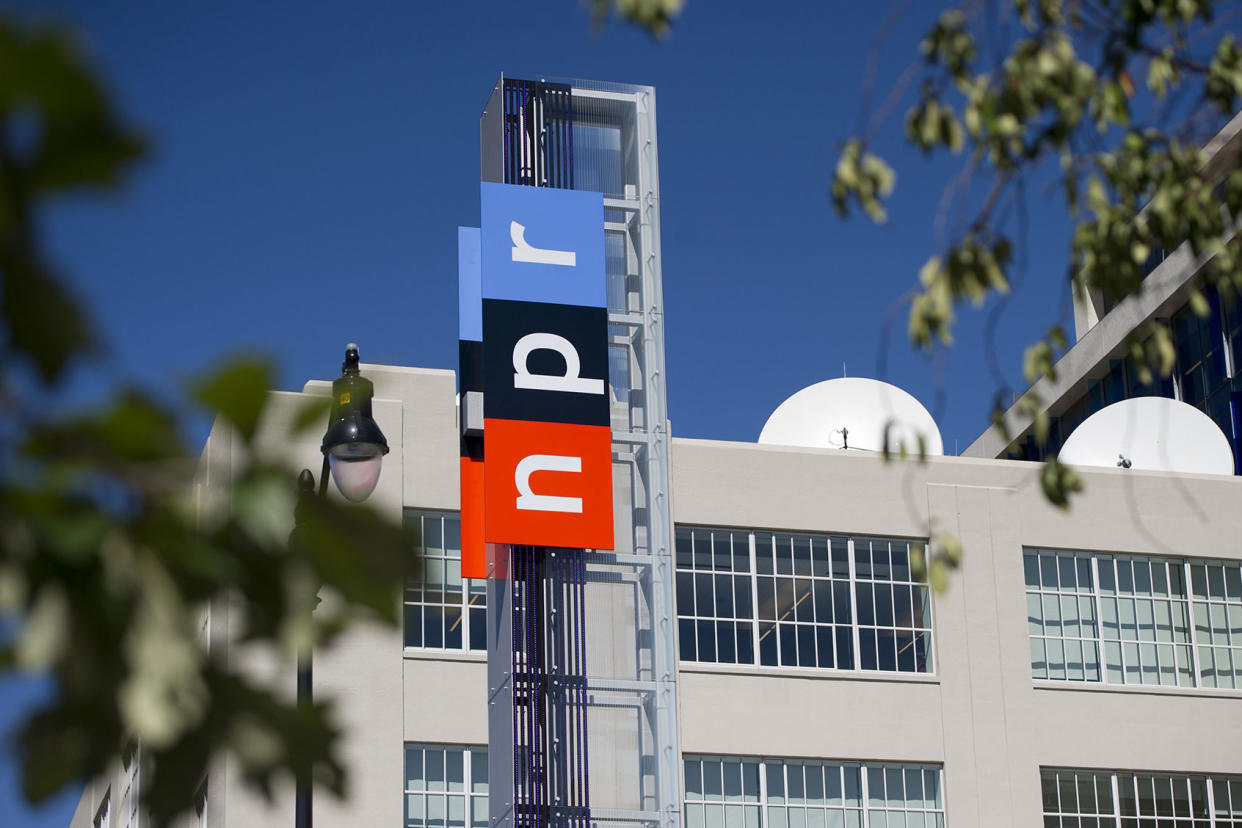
(843, 369)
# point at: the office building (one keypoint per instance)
(1083, 668)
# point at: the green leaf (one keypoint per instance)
(1059, 482)
(938, 575)
(45, 631)
(951, 547)
(82, 142)
(1224, 79)
(656, 16)
(1161, 73)
(237, 391)
(1056, 336)
(863, 178)
(132, 429)
(312, 413)
(918, 560)
(44, 322)
(1199, 303)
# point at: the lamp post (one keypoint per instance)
(353, 449)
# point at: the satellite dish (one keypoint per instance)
(1150, 433)
(852, 412)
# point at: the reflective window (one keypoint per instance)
(1200, 345)
(1216, 602)
(443, 611)
(200, 806)
(798, 600)
(131, 794)
(445, 786)
(103, 819)
(734, 792)
(1122, 619)
(1094, 799)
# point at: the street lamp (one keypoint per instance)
(353, 450)
(353, 446)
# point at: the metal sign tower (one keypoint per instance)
(581, 650)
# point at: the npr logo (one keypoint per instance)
(548, 443)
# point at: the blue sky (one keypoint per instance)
(311, 164)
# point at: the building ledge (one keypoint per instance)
(1138, 689)
(802, 673)
(413, 654)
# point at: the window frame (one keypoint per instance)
(131, 794)
(690, 618)
(200, 805)
(1197, 614)
(103, 814)
(1118, 793)
(766, 803)
(473, 595)
(470, 755)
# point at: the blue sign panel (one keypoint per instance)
(543, 245)
(469, 286)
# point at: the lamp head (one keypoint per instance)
(354, 444)
(350, 365)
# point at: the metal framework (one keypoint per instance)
(581, 652)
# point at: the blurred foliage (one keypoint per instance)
(656, 16)
(1042, 93)
(936, 560)
(108, 556)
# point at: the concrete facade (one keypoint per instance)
(980, 715)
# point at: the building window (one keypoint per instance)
(103, 816)
(445, 785)
(737, 792)
(1122, 619)
(131, 761)
(794, 600)
(1095, 799)
(200, 806)
(443, 611)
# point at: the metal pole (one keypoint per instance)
(303, 808)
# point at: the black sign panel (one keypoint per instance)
(544, 362)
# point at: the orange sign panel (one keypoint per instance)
(548, 484)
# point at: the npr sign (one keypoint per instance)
(547, 438)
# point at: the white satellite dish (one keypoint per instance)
(1150, 433)
(852, 412)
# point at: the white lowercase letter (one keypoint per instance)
(545, 503)
(524, 252)
(570, 381)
